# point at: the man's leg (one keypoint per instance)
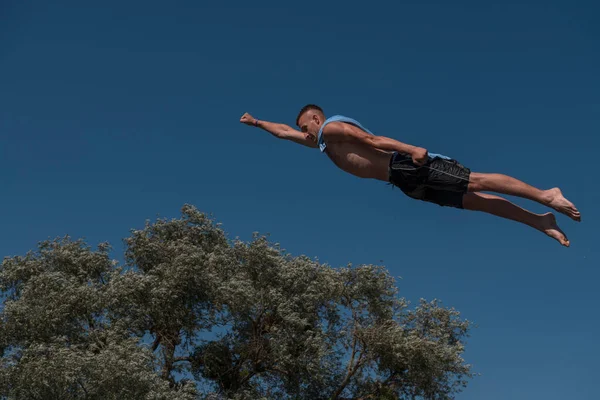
(481, 182)
(501, 207)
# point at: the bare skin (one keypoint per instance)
(504, 184)
(367, 156)
(498, 206)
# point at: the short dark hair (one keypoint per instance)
(306, 108)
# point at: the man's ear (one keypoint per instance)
(317, 119)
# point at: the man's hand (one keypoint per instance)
(248, 119)
(420, 156)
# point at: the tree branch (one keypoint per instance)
(351, 362)
(168, 349)
(248, 377)
(388, 382)
(156, 343)
(91, 323)
(279, 371)
(352, 368)
(182, 359)
(83, 387)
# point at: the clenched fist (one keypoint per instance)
(420, 156)
(248, 119)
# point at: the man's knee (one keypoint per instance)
(477, 182)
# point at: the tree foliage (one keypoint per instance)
(191, 314)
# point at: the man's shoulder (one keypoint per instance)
(333, 127)
(339, 121)
(337, 118)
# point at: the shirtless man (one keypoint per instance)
(421, 175)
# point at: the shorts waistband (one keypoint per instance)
(392, 158)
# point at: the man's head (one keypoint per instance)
(309, 120)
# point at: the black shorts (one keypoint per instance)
(440, 181)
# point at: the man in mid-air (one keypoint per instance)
(421, 175)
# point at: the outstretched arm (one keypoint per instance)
(341, 132)
(280, 131)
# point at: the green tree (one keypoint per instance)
(193, 315)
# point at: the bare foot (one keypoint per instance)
(562, 205)
(549, 226)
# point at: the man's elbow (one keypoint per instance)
(284, 132)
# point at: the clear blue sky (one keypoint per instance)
(114, 113)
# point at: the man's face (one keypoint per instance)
(310, 123)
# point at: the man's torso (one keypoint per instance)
(355, 158)
(360, 160)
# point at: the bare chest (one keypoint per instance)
(359, 160)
